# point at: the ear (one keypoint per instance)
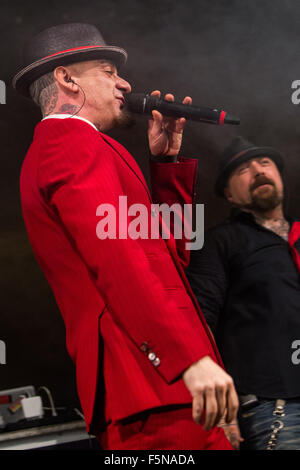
(63, 77)
(228, 194)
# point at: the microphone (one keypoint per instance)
(144, 104)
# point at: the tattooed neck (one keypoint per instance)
(48, 99)
(68, 108)
(278, 225)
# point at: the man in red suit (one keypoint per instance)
(146, 362)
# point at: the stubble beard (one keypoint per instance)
(125, 119)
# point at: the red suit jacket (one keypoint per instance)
(121, 299)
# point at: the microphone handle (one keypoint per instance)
(177, 109)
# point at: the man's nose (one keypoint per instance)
(256, 168)
(123, 85)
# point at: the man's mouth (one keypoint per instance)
(122, 99)
(262, 183)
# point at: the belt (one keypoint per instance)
(248, 400)
(251, 399)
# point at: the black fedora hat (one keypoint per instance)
(62, 45)
(239, 151)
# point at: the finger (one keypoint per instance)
(211, 408)
(156, 93)
(235, 438)
(174, 125)
(234, 441)
(221, 401)
(155, 124)
(169, 97)
(179, 125)
(198, 405)
(232, 403)
(187, 100)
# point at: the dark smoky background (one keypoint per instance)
(242, 56)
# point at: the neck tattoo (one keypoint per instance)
(279, 225)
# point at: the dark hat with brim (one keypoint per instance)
(62, 45)
(239, 151)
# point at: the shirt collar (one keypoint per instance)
(65, 116)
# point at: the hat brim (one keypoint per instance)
(23, 79)
(235, 162)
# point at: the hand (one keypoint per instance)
(165, 133)
(232, 432)
(212, 390)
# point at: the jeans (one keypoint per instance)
(255, 426)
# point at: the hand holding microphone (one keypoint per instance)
(164, 132)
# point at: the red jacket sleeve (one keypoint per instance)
(175, 183)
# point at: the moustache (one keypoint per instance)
(260, 180)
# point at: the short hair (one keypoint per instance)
(38, 88)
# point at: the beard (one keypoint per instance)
(125, 119)
(265, 199)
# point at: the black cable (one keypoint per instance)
(74, 114)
